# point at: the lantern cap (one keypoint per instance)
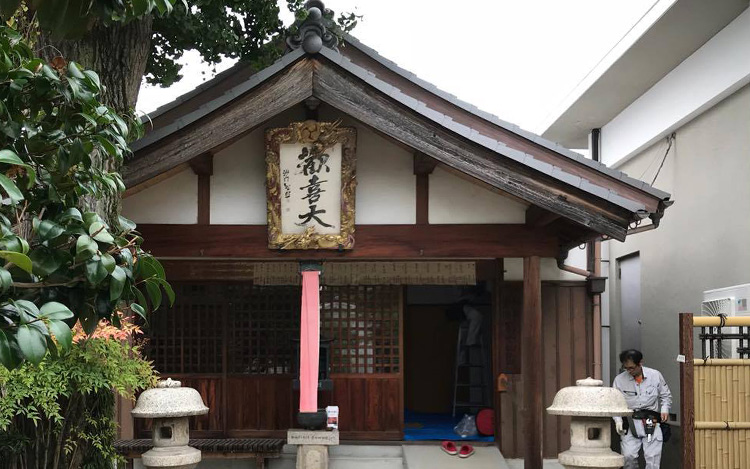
(588, 398)
(169, 399)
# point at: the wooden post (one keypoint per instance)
(203, 167)
(498, 344)
(687, 391)
(531, 362)
(423, 167)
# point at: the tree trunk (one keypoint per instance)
(118, 53)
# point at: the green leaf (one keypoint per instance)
(108, 262)
(95, 272)
(138, 309)
(9, 157)
(55, 310)
(62, 333)
(45, 261)
(154, 292)
(168, 289)
(32, 343)
(75, 71)
(29, 308)
(7, 357)
(11, 189)
(21, 260)
(140, 7)
(6, 280)
(89, 320)
(85, 248)
(116, 283)
(126, 224)
(71, 214)
(47, 229)
(98, 231)
(91, 217)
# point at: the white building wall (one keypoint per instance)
(456, 200)
(172, 201)
(713, 72)
(702, 242)
(386, 185)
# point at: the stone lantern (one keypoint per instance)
(591, 407)
(170, 405)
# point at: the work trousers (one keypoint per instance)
(631, 445)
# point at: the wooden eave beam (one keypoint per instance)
(538, 217)
(290, 87)
(352, 96)
(372, 242)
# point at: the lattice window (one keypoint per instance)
(187, 338)
(364, 323)
(262, 323)
(255, 327)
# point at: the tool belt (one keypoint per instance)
(642, 414)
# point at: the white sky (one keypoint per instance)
(514, 58)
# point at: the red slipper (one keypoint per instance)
(449, 447)
(465, 451)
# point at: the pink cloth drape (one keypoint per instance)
(309, 344)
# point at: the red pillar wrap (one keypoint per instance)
(309, 344)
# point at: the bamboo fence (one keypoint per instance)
(722, 413)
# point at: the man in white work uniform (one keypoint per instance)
(648, 395)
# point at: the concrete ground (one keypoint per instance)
(432, 457)
(548, 464)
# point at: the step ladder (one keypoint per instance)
(471, 384)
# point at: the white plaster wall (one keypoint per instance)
(385, 192)
(456, 200)
(238, 185)
(386, 185)
(713, 72)
(172, 201)
(702, 242)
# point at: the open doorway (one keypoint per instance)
(446, 370)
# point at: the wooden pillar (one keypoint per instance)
(203, 166)
(498, 346)
(531, 362)
(687, 392)
(423, 167)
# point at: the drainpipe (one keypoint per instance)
(594, 263)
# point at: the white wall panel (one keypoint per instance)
(238, 185)
(172, 201)
(455, 200)
(716, 70)
(386, 185)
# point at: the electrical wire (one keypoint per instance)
(670, 141)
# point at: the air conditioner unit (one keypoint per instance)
(730, 301)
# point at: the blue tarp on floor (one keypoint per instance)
(419, 426)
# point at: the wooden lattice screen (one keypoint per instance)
(364, 323)
(254, 326)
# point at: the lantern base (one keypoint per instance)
(313, 420)
(171, 457)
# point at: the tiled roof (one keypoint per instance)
(421, 108)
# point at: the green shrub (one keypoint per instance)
(60, 413)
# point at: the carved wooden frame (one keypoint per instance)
(321, 135)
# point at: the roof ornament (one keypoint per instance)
(312, 34)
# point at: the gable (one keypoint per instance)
(385, 192)
(588, 198)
